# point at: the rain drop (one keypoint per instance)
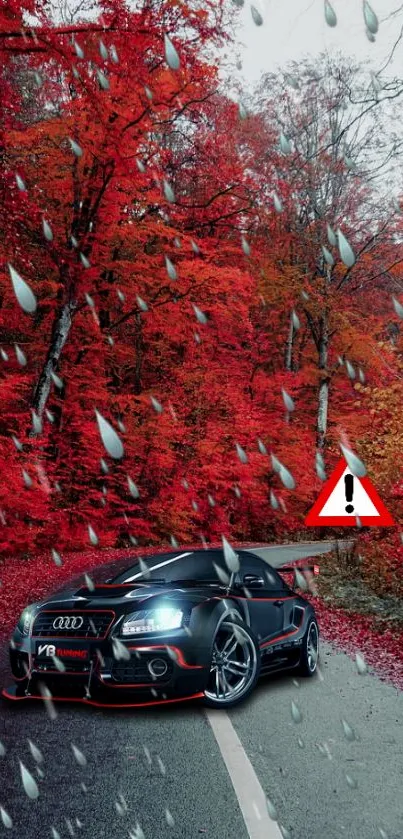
(102, 50)
(245, 246)
(331, 236)
(278, 206)
(201, 317)
(361, 664)
(79, 51)
(350, 370)
(28, 782)
(256, 16)
(114, 55)
(230, 556)
(243, 457)
(330, 14)
(85, 262)
(76, 149)
(371, 20)
(351, 781)
(56, 558)
(273, 501)
(36, 423)
(141, 304)
(261, 447)
(93, 536)
(271, 809)
(171, 55)
(348, 731)
(295, 712)
(295, 320)
(288, 401)
(103, 80)
(27, 479)
(2, 749)
(156, 405)
(58, 382)
(285, 144)
(89, 583)
(133, 488)
(346, 252)
(22, 291)
(80, 758)
(6, 819)
(286, 477)
(20, 183)
(109, 437)
(21, 357)
(397, 307)
(171, 270)
(355, 464)
(47, 230)
(327, 256)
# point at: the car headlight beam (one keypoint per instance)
(153, 620)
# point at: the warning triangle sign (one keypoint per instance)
(344, 497)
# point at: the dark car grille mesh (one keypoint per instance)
(95, 625)
(136, 671)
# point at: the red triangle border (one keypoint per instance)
(313, 519)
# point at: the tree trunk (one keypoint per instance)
(60, 332)
(323, 396)
(289, 347)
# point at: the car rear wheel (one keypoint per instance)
(310, 650)
(235, 665)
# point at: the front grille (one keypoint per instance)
(136, 671)
(71, 666)
(95, 625)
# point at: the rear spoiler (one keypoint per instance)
(291, 569)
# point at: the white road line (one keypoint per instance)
(250, 795)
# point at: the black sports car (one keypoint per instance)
(180, 626)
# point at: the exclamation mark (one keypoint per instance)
(349, 483)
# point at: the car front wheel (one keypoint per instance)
(235, 665)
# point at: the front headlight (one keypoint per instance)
(24, 623)
(154, 620)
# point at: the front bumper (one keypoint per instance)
(156, 672)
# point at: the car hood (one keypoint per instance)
(129, 595)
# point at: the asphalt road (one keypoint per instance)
(172, 765)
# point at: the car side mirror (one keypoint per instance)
(252, 581)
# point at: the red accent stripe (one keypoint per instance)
(102, 704)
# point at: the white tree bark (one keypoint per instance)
(60, 332)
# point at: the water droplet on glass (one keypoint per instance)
(361, 664)
(397, 307)
(271, 809)
(201, 317)
(76, 149)
(273, 501)
(346, 252)
(21, 357)
(288, 401)
(20, 183)
(36, 423)
(348, 731)
(103, 80)
(286, 477)
(371, 20)
(295, 712)
(355, 465)
(256, 16)
(6, 819)
(114, 55)
(47, 230)
(141, 304)
(171, 55)
(350, 370)
(28, 782)
(92, 535)
(295, 320)
(330, 14)
(79, 756)
(22, 291)
(133, 488)
(231, 559)
(109, 437)
(102, 50)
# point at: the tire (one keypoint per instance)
(235, 665)
(310, 650)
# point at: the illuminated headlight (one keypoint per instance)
(155, 620)
(24, 623)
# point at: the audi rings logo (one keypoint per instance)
(68, 622)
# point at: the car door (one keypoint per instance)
(270, 602)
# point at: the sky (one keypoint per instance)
(294, 28)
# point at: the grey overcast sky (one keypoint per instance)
(294, 28)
